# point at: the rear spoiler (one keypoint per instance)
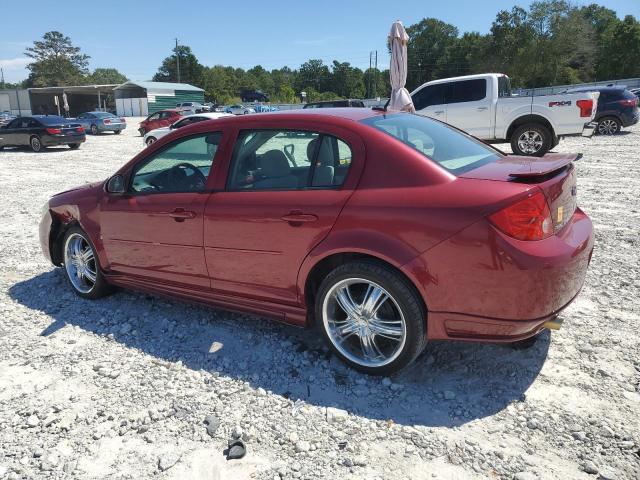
(527, 167)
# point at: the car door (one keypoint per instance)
(154, 230)
(429, 101)
(469, 108)
(8, 134)
(285, 189)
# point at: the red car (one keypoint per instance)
(384, 230)
(162, 118)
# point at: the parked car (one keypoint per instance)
(190, 108)
(98, 122)
(261, 108)
(483, 106)
(617, 108)
(41, 131)
(239, 109)
(384, 230)
(162, 118)
(335, 103)
(248, 96)
(155, 135)
(6, 117)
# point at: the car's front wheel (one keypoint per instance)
(371, 316)
(150, 140)
(82, 266)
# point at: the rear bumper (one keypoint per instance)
(631, 119)
(589, 129)
(53, 140)
(483, 285)
(112, 128)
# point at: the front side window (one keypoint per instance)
(428, 96)
(183, 166)
(155, 116)
(467, 91)
(451, 149)
(287, 160)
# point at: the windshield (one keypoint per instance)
(452, 149)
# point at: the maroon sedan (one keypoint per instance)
(384, 230)
(162, 118)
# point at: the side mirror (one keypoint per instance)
(116, 184)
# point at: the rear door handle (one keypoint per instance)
(480, 109)
(297, 218)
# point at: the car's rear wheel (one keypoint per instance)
(74, 146)
(371, 317)
(608, 126)
(82, 266)
(94, 130)
(150, 140)
(36, 144)
(531, 139)
(117, 132)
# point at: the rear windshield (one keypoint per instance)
(103, 114)
(452, 149)
(51, 120)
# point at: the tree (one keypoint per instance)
(313, 73)
(191, 71)
(622, 51)
(106, 76)
(56, 62)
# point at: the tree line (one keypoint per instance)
(551, 42)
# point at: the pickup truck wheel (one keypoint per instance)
(531, 139)
(608, 126)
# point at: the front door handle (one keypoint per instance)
(180, 214)
(439, 112)
(481, 109)
(297, 218)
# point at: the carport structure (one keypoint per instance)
(84, 98)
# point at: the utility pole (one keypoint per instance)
(375, 77)
(177, 60)
(369, 76)
(1, 78)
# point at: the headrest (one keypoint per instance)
(324, 155)
(274, 164)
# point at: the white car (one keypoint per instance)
(158, 133)
(191, 108)
(484, 106)
(239, 109)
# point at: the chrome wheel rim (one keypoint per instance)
(607, 127)
(94, 130)
(150, 140)
(80, 263)
(530, 141)
(35, 144)
(364, 322)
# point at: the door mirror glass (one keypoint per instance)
(116, 184)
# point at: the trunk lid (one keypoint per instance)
(554, 174)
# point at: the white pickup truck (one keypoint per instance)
(483, 106)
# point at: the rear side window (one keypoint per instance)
(467, 91)
(428, 96)
(451, 149)
(287, 160)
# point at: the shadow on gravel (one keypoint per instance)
(451, 384)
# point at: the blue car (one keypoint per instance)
(617, 108)
(98, 122)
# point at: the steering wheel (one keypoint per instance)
(177, 175)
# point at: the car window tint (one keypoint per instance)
(467, 91)
(272, 160)
(14, 123)
(183, 166)
(428, 96)
(448, 147)
(155, 116)
(333, 160)
(33, 123)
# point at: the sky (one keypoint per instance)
(135, 36)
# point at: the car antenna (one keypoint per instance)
(382, 109)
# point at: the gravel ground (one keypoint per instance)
(121, 387)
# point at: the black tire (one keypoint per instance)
(36, 144)
(406, 299)
(150, 141)
(117, 132)
(94, 130)
(74, 146)
(608, 126)
(100, 287)
(533, 131)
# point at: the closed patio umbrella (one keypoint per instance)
(400, 98)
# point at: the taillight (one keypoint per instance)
(628, 102)
(586, 107)
(123, 120)
(54, 131)
(106, 121)
(80, 129)
(528, 219)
